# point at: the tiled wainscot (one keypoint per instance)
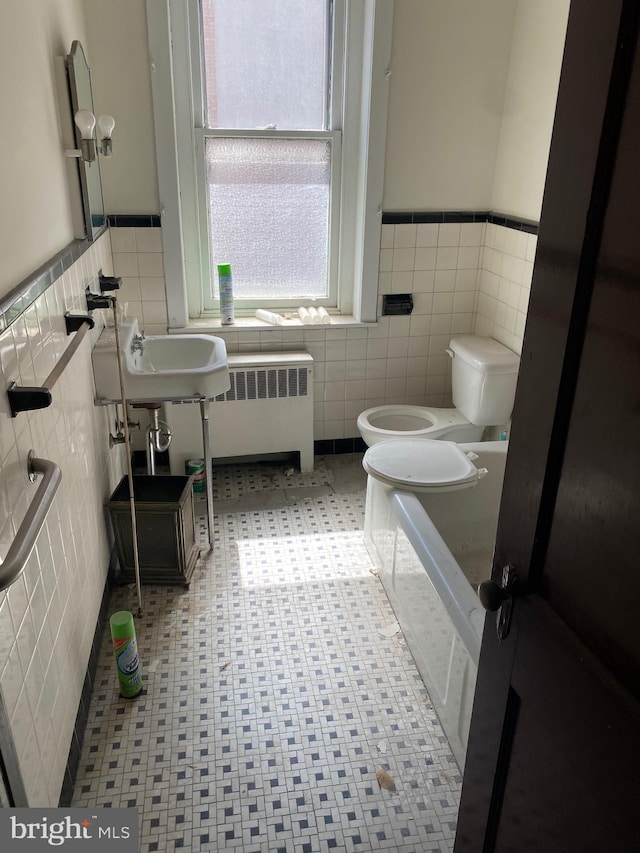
(48, 617)
(466, 277)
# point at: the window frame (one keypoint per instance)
(366, 41)
(335, 72)
(212, 305)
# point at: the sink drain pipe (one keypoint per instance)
(127, 443)
(158, 437)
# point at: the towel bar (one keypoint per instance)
(28, 398)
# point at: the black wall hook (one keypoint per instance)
(74, 321)
(26, 399)
(108, 282)
(95, 300)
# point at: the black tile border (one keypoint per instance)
(134, 220)
(25, 294)
(152, 220)
(77, 739)
(444, 216)
(516, 224)
(402, 218)
(331, 446)
(421, 217)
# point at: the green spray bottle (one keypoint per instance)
(225, 284)
(125, 645)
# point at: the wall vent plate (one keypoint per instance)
(397, 303)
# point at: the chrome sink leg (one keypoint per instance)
(208, 474)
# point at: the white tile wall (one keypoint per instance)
(400, 359)
(465, 278)
(138, 258)
(48, 616)
(505, 285)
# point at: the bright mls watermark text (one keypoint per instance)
(104, 830)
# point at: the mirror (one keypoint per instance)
(82, 99)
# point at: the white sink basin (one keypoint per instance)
(160, 367)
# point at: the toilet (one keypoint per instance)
(483, 381)
(422, 466)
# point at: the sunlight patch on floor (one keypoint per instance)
(302, 559)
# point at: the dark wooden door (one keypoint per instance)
(554, 752)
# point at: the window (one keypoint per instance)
(268, 214)
(271, 118)
(266, 157)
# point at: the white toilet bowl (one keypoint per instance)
(384, 422)
(483, 385)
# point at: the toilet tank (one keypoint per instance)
(483, 379)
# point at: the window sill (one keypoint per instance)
(249, 324)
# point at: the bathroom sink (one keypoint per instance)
(160, 367)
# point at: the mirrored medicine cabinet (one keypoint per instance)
(79, 80)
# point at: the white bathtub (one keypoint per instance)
(431, 552)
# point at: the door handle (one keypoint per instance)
(499, 597)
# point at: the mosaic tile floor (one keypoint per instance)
(276, 688)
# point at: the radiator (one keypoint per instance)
(267, 409)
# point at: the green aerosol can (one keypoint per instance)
(125, 646)
(225, 284)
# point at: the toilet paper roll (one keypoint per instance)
(269, 317)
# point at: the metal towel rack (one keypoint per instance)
(29, 398)
(22, 545)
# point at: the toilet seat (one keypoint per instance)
(421, 465)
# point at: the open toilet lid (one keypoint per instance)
(421, 465)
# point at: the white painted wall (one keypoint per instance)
(449, 67)
(48, 616)
(37, 213)
(120, 76)
(529, 107)
(472, 96)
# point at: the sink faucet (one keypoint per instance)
(137, 344)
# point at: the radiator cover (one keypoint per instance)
(267, 409)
